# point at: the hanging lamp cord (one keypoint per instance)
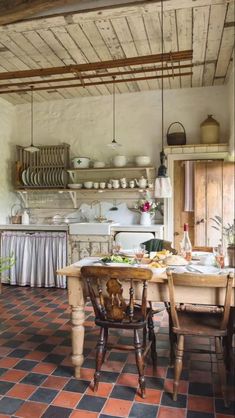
(114, 111)
(162, 95)
(32, 116)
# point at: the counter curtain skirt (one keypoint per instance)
(37, 257)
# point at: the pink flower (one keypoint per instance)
(146, 207)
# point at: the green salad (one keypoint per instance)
(117, 259)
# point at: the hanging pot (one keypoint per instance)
(176, 138)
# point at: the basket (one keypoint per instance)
(176, 138)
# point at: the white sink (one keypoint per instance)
(91, 228)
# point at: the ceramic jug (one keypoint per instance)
(142, 182)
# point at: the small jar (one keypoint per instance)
(210, 131)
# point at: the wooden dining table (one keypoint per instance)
(157, 292)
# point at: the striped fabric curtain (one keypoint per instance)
(37, 257)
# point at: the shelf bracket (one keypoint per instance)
(24, 197)
(73, 197)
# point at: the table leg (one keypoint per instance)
(76, 301)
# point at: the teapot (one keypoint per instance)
(142, 182)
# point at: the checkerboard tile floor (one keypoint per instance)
(36, 374)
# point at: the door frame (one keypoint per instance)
(189, 153)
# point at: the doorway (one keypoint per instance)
(203, 189)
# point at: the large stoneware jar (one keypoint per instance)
(210, 131)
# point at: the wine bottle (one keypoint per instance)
(186, 246)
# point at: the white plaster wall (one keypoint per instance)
(230, 94)
(7, 152)
(86, 123)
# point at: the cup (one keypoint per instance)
(219, 254)
(109, 185)
(123, 184)
(102, 185)
(96, 185)
(139, 253)
(132, 184)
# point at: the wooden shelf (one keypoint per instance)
(125, 168)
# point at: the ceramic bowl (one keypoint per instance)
(142, 160)
(75, 185)
(81, 162)
(88, 184)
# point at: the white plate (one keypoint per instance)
(23, 177)
(159, 270)
(120, 265)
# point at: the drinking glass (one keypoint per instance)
(219, 254)
(139, 253)
(116, 248)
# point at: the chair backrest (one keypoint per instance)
(204, 249)
(106, 292)
(200, 280)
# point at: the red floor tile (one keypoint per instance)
(45, 368)
(165, 412)
(104, 390)
(128, 380)
(21, 391)
(117, 407)
(183, 386)
(8, 362)
(67, 399)
(55, 382)
(36, 355)
(153, 396)
(31, 410)
(83, 414)
(14, 375)
(200, 403)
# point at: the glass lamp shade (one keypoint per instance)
(163, 187)
(32, 149)
(114, 144)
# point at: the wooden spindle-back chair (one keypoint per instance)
(195, 321)
(113, 310)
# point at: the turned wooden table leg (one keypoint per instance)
(76, 301)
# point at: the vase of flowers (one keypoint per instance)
(228, 232)
(147, 208)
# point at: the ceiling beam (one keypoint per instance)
(94, 66)
(84, 76)
(95, 83)
(15, 10)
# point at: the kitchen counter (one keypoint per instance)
(33, 227)
(137, 228)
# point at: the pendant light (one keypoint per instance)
(162, 184)
(114, 144)
(31, 148)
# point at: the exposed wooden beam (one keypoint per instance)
(83, 76)
(93, 66)
(95, 83)
(15, 10)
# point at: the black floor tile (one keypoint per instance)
(123, 392)
(25, 365)
(130, 368)
(64, 371)
(202, 389)
(12, 343)
(75, 385)
(154, 382)
(5, 386)
(10, 405)
(34, 379)
(108, 377)
(221, 409)
(57, 412)
(19, 353)
(91, 403)
(38, 338)
(44, 395)
(114, 356)
(2, 370)
(140, 410)
(47, 348)
(167, 400)
(196, 414)
(53, 358)
(170, 374)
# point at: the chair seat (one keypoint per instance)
(199, 323)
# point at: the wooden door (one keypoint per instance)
(180, 215)
(214, 195)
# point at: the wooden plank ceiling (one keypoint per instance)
(73, 39)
